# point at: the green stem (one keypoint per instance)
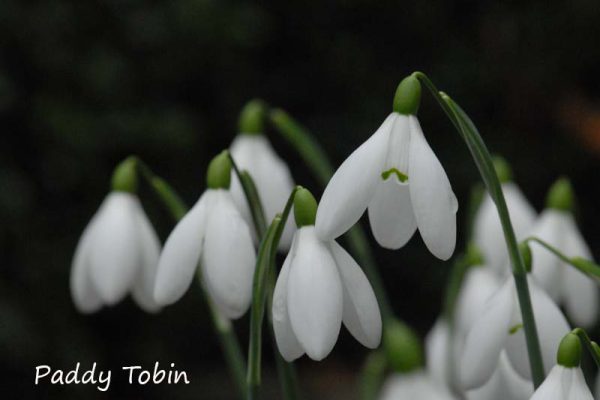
(222, 326)
(589, 344)
(317, 160)
(483, 160)
(372, 375)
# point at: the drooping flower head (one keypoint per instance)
(566, 380)
(214, 235)
(118, 250)
(252, 152)
(319, 287)
(567, 286)
(396, 175)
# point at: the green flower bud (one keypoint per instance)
(569, 351)
(408, 96)
(473, 254)
(503, 169)
(124, 178)
(305, 208)
(252, 117)
(525, 251)
(218, 175)
(402, 346)
(560, 196)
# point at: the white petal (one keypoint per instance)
(349, 191)
(413, 385)
(438, 352)
(315, 295)
(433, 201)
(181, 253)
(580, 292)
(552, 388)
(115, 255)
(487, 337)
(579, 389)
(228, 259)
(546, 267)
(287, 343)
(551, 326)
(143, 289)
(504, 384)
(361, 312)
(84, 295)
(488, 233)
(391, 214)
(271, 175)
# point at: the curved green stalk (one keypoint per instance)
(483, 160)
(372, 375)
(229, 342)
(589, 344)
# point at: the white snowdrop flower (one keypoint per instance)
(118, 250)
(505, 383)
(215, 235)
(556, 226)
(440, 353)
(252, 152)
(396, 175)
(414, 385)
(499, 327)
(319, 287)
(566, 380)
(487, 229)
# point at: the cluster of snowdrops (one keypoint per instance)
(519, 297)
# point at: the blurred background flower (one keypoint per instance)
(84, 84)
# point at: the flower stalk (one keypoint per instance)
(589, 344)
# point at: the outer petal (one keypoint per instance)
(580, 293)
(552, 388)
(487, 338)
(85, 297)
(488, 233)
(579, 389)
(391, 214)
(433, 201)
(287, 343)
(315, 295)
(349, 191)
(504, 384)
(271, 175)
(361, 312)
(181, 253)
(438, 350)
(414, 385)
(229, 258)
(551, 325)
(143, 289)
(547, 268)
(115, 253)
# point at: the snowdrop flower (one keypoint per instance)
(414, 385)
(565, 284)
(396, 175)
(319, 287)
(252, 152)
(214, 234)
(487, 229)
(118, 250)
(566, 380)
(499, 327)
(504, 384)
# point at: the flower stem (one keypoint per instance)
(222, 326)
(483, 160)
(591, 346)
(372, 375)
(318, 162)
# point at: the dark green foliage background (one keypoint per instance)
(85, 83)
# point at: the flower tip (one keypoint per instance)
(218, 175)
(569, 351)
(124, 178)
(305, 207)
(560, 195)
(408, 96)
(252, 117)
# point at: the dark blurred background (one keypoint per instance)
(83, 84)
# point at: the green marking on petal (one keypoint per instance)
(401, 177)
(515, 329)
